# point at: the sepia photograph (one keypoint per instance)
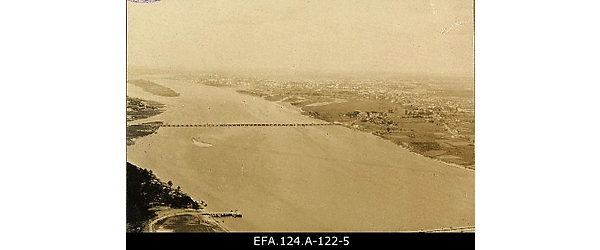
(296, 116)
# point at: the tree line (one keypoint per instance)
(144, 191)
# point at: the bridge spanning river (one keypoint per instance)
(210, 125)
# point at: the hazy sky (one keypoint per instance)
(370, 36)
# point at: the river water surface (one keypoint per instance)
(317, 178)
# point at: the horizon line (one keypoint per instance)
(236, 71)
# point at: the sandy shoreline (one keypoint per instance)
(297, 179)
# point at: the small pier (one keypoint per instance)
(234, 214)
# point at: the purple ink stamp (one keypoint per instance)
(143, 1)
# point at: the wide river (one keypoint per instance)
(319, 178)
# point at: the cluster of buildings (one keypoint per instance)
(428, 101)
